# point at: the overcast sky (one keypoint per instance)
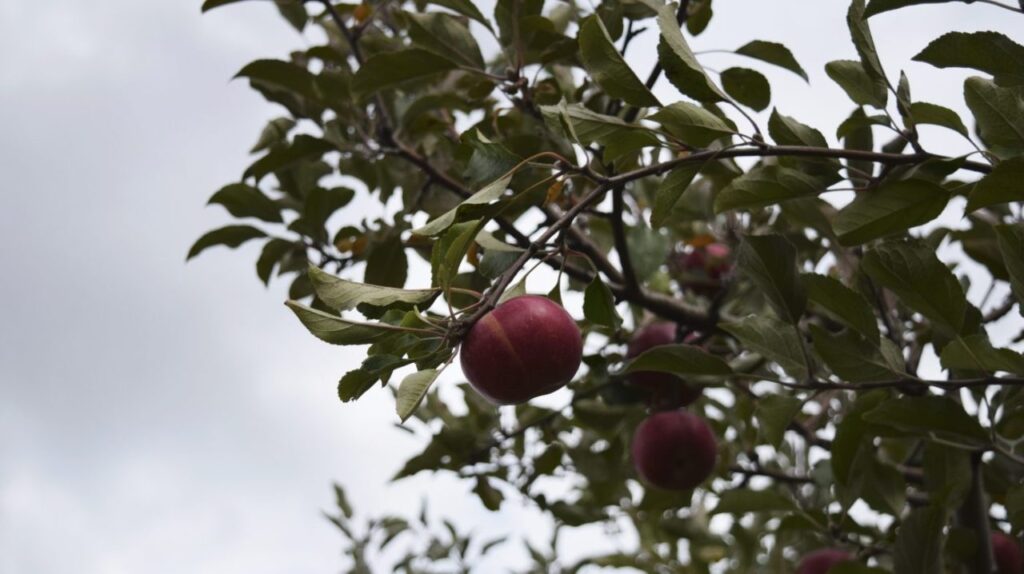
(165, 418)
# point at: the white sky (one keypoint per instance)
(163, 418)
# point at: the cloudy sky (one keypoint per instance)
(165, 418)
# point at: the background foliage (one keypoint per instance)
(500, 142)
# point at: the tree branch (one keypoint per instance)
(788, 151)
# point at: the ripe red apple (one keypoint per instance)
(665, 390)
(526, 347)
(1009, 558)
(702, 268)
(674, 450)
(712, 259)
(821, 561)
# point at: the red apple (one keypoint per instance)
(712, 260)
(674, 450)
(1009, 558)
(703, 268)
(526, 347)
(821, 561)
(665, 390)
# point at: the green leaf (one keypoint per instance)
(272, 253)
(599, 305)
(700, 18)
(681, 67)
(231, 236)
(341, 294)
(859, 121)
(787, 131)
(1015, 506)
(604, 63)
(355, 383)
(893, 208)
(489, 496)
(855, 81)
(516, 290)
(681, 360)
(770, 262)
(412, 390)
(321, 203)
(773, 53)
(211, 4)
(283, 75)
(374, 368)
(692, 124)
(648, 249)
(1011, 245)
(853, 358)
(879, 6)
(863, 41)
(999, 113)
(509, 14)
(302, 148)
(925, 113)
(989, 52)
(671, 192)
(447, 37)
(747, 87)
(549, 460)
(572, 515)
(941, 417)
(489, 160)
(336, 330)
(851, 433)
(242, 200)
(390, 69)
(742, 501)
(450, 249)
(884, 487)
(489, 193)
(775, 340)
(386, 262)
(764, 186)
(976, 353)
(947, 473)
(811, 212)
(913, 272)
(774, 413)
(275, 132)
(294, 11)
(586, 126)
(919, 542)
(847, 305)
(464, 7)
(1004, 184)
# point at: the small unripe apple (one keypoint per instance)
(665, 390)
(1009, 558)
(674, 450)
(526, 347)
(821, 561)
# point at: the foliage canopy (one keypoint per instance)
(497, 143)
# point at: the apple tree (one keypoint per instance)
(765, 352)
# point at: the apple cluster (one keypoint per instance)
(530, 346)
